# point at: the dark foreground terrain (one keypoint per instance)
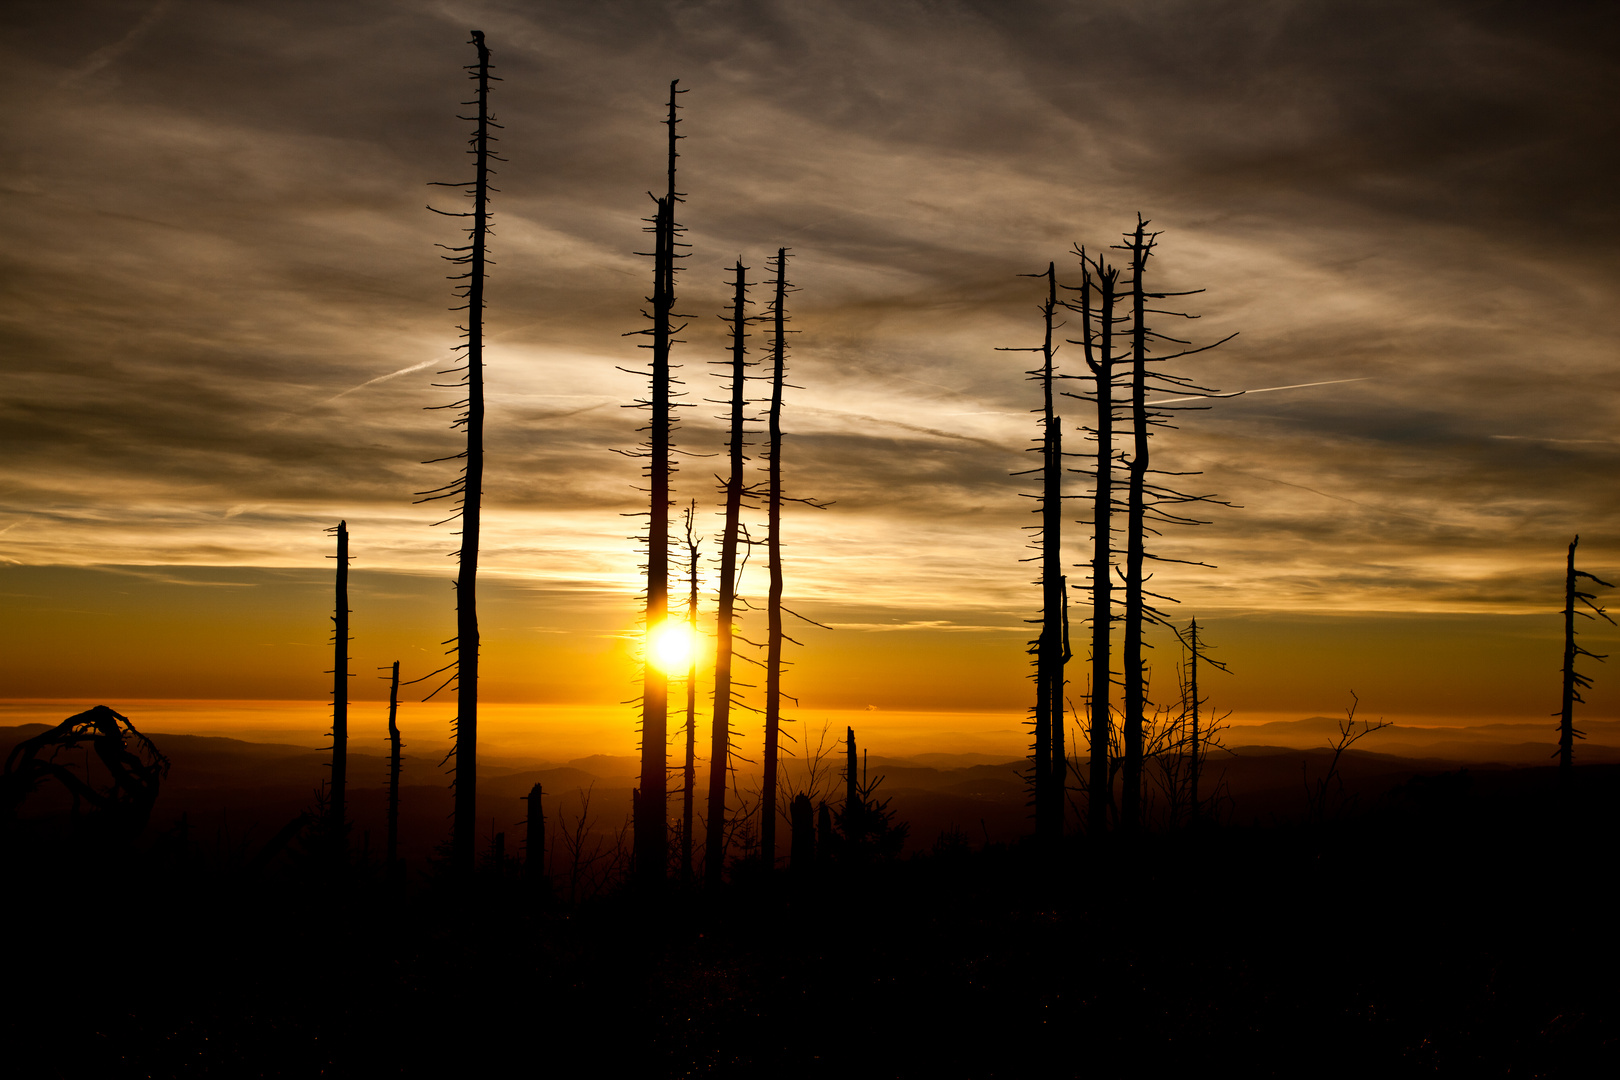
(1457, 925)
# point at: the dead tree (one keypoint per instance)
(689, 772)
(393, 868)
(1316, 792)
(1099, 294)
(1148, 503)
(1136, 607)
(773, 555)
(1053, 652)
(1049, 772)
(134, 765)
(467, 491)
(1574, 681)
(774, 498)
(651, 800)
(735, 491)
(337, 810)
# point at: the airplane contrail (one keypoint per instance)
(390, 375)
(1261, 390)
(107, 54)
(428, 363)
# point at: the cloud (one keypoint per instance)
(228, 306)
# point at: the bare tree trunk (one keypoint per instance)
(337, 807)
(470, 486)
(1099, 350)
(1060, 683)
(651, 806)
(690, 771)
(714, 854)
(651, 828)
(773, 548)
(1135, 690)
(1566, 712)
(1574, 681)
(394, 747)
(1051, 764)
(1054, 586)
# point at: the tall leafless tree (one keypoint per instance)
(337, 806)
(735, 489)
(1148, 503)
(1574, 681)
(1099, 295)
(1123, 374)
(689, 770)
(773, 548)
(651, 803)
(392, 865)
(467, 489)
(1049, 773)
(1133, 668)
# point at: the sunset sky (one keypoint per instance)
(223, 310)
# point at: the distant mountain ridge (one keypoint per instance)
(1528, 743)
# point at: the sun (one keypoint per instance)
(670, 647)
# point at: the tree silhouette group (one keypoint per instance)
(1099, 780)
(1134, 755)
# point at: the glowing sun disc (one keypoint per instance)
(671, 647)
